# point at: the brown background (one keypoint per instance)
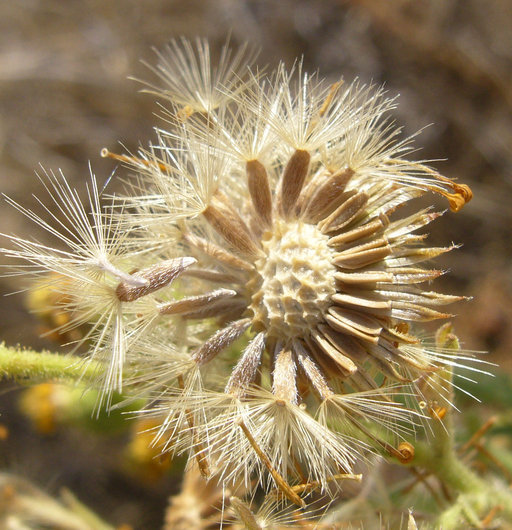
(64, 95)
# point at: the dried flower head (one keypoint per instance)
(268, 320)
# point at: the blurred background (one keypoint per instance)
(65, 94)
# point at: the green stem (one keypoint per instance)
(474, 496)
(438, 456)
(447, 467)
(27, 366)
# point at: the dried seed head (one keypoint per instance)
(284, 193)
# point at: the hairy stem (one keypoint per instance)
(27, 366)
(475, 497)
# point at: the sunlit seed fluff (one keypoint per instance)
(265, 232)
(301, 251)
(192, 81)
(82, 269)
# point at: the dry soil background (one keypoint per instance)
(64, 94)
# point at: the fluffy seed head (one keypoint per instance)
(282, 283)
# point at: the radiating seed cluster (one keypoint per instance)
(257, 283)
